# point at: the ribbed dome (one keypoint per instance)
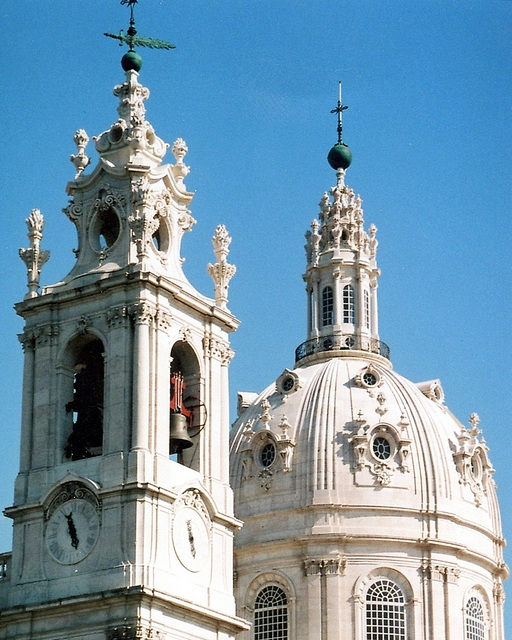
(361, 453)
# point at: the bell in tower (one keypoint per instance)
(123, 493)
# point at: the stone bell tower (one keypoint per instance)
(123, 514)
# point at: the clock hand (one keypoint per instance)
(72, 531)
(191, 538)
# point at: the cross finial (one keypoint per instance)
(339, 110)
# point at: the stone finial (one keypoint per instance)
(34, 257)
(180, 169)
(221, 272)
(80, 159)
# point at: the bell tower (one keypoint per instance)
(123, 513)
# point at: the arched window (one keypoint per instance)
(475, 624)
(327, 307)
(385, 611)
(271, 614)
(366, 309)
(348, 304)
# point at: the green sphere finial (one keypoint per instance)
(131, 61)
(340, 156)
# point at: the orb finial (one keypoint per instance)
(132, 60)
(340, 156)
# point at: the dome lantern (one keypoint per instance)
(341, 271)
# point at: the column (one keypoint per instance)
(143, 316)
(27, 342)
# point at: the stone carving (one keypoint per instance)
(144, 223)
(180, 170)
(398, 454)
(221, 272)
(80, 159)
(116, 316)
(192, 498)
(27, 340)
(34, 257)
(73, 210)
(265, 415)
(143, 313)
(265, 477)
(163, 320)
(381, 409)
(45, 334)
(218, 349)
(471, 460)
(441, 573)
(498, 593)
(108, 199)
(142, 228)
(325, 566)
(131, 130)
(186, 334)
(383, 472)
(137, 631)
(285, 445)
(83, 324)
(340, 225)
(256, 439)
(70, 491)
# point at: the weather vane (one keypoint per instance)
(339, 110)
(132, 39)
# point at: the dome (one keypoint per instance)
(343, 462)
(358, 434)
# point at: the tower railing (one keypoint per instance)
(341, 342)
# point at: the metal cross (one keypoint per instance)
(339, 110)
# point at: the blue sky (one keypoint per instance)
(249, 88)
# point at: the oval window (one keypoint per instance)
(381, 448)
(267, 455)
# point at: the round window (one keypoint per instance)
(287, 383)
(381, 448)
(369, 379)
(268, 455)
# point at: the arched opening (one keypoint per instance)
(385, 611)
(271, 614)
(474, 619)
(86, 403)
(186, 411)
(105, 229)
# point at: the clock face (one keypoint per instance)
(191, 538)
(72, 531)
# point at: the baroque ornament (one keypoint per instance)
(34, 257)
(221, 272)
